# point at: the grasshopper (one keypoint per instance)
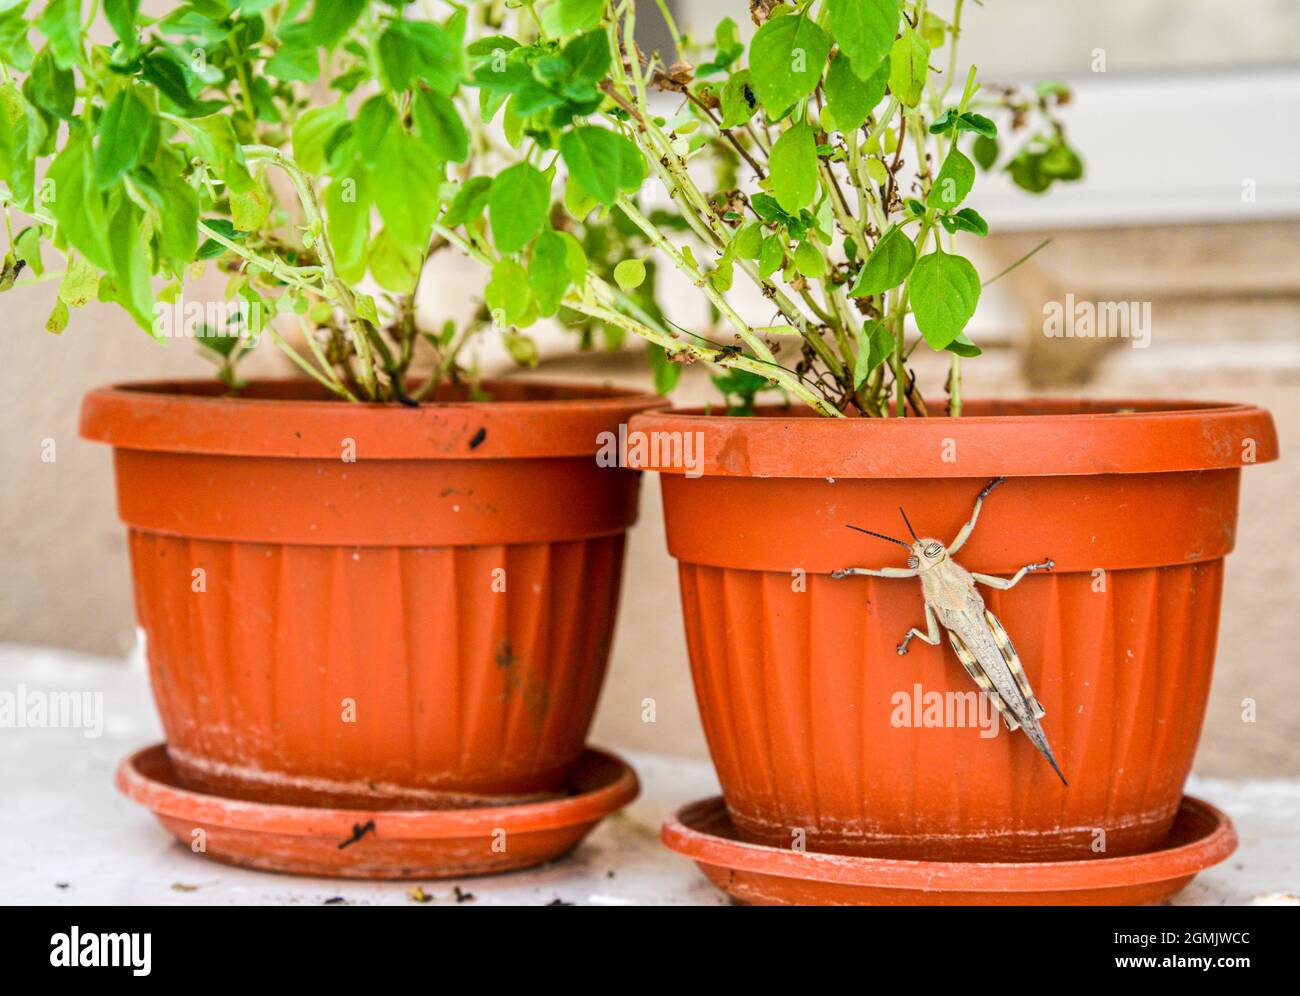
(981, 644)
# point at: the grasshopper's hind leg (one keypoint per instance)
(930, 636)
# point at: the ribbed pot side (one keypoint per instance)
(824, 737)
(372, 606)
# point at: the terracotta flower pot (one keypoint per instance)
(824, 736)
(372, 605)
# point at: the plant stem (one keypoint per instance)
(954, 387)
(682, 263)
(358, 329)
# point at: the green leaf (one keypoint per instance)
(875, 343)
(60, 22)
(579, 15)
(908, 65)
(179, 215)
(809, 261)
(215, 141)
(602, 162)
(963, 346)
(549, 271)
(575, 258)
(438, 123)
(27, 247)
(965, 220)
(522, 348)
(794, 167)
(749, 241)
(121, 130)
(297, 58)
(739, 104)
(508, 294)
(586, 59)
(630, 274)
(978, 123)
(954, 181)
(312, 132)
(727, 49)
(517, 206)
(51, 88)
(210, 248)
(420, 50)
(865, 31)
(945, 289)
(985, 151)
(406, 181)
(58, 320)
(76, 202)
(887, 266)
(786, 59)
(666, 372)
(395, 264)
(469, 202)
(772, 256)
(165, 73)
(347, 208)
(366, 309)
(80, 282)
(1061, 162)
(852, 100)
(331, 19)
(250, 209)
(130, 265)
(121, 15)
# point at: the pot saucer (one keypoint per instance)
(768, 876)
(378, 844)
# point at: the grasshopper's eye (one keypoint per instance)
(933, 550)
(913, 563)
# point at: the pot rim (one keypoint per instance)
(1030, 437)
(298, 421)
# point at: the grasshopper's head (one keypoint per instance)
(927, 552)
(922, 554)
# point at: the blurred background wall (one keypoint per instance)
(1191, 203)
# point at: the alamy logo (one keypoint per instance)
(35, 709)
(94, 950)
(656, 448)
(1098, 320)
(919, 709)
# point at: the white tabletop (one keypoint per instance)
(68, 837)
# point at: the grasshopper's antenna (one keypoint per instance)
(909, 526)
(881, 536)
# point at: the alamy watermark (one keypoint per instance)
(919, 709)
(102, 950)
(1071, 319)
(26, 708)
(658, 449)
(182, 319)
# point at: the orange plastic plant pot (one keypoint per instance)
(372, 605)
(822, 735)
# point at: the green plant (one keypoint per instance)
(815, 206)
(202, 137)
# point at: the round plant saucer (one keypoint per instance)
(769, 876)
(379, 844)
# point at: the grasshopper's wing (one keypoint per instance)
(976, 670)
(1008, 651)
